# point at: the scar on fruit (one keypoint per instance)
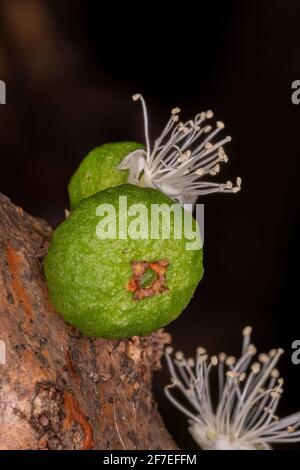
(148, 279)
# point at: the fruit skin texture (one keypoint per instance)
(87, 277)
(98, 170)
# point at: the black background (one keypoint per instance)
(69, 83)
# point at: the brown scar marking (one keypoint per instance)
(70, 366)
(74, 414)
(157, 286)
(15, 260)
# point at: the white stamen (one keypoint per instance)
(231, 374)
(252, 349)
(245, 416)
(136, 97)
(222, 357)
(191, 362)
(255, 368)
(179, 355)
(214, 360)
(200, 172)
(230, 361)
(263, 357)
(242, 377)
(275, 373)
(273, 352)
(247, 331)
(180, 156)
(208, 145)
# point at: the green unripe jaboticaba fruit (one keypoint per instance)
(120, 286)
(98, 170)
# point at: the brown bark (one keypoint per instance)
(59, 389)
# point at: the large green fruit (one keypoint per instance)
(98, 170)
(117, 288)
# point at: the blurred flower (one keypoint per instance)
(249, 394)
(181, 156)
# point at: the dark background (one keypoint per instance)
(71, 67)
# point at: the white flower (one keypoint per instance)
(249, 393)
(180, 157)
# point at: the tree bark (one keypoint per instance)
(59, 389)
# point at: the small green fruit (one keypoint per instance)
(98, 170)
(117, 288)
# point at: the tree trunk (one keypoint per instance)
(59, 389)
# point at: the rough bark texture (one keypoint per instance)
(59, 389)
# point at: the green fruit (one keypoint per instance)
(93, 282)
(98, 170)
